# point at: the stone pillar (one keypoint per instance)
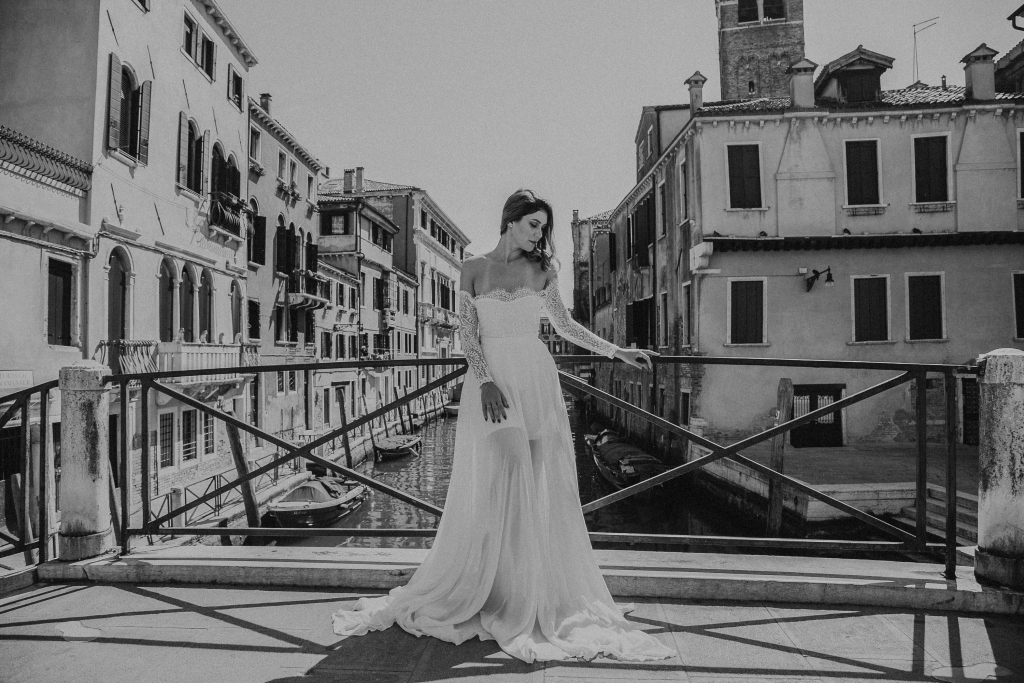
(85, 525)
(1000, 556)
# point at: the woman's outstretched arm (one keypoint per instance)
(569, 328)
(469, 325)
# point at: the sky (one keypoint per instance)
(473, 99)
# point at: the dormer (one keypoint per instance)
(854, 77)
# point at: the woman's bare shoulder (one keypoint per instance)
(471, 269)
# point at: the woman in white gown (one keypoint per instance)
(512, 560)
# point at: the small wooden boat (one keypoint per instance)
(619, 461)
(451, 408)
(398, 446)
(318, 502)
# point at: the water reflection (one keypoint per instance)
(674, 508)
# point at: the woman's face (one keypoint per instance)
(528, 230)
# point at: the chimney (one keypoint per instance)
(696, 84)
(347, 186)
(359, 178)
(944, 82)
(980, 73)
(265, 101)
(801, 84)
(327, 172)
(575, 216)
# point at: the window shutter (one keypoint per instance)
(281, 250)
(146, 94)
(752, 176)
(182, 149)
(114, 101)
(871, 316)
(259, 240)
(613, 253)
(862, 172)
(739, 158)
(254, 319)
(311, 257)
(925, 295)
(1018, 300)
(747, 312)
(205, 160)
(930, 169)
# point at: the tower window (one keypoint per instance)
(774, 9)
(751, 88)
(747, 11)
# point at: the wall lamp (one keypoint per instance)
(811, 279)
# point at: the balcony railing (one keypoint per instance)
(133, 356)
(226, 212)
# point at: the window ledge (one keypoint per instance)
(871, 343)
(760, 208)
(284, 343)
(181, 48)
(125, 158)
(760, 344)
(1020, 203)
(864, 209)
(253, 265)
(932, 207)
(191, 194)
(926, 341)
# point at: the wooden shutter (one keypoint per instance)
(613, 252)
(259, 240)
(204, 159)
(182, 149)
(744, 177)
(1018, 300)
(871, 314)
(146, 93)
(58, 329)
(254, 319)
(312, 252)
(114, 102)
(862, 172)
(930, 169)
(747, 312)
(281, 250)
(925, 297)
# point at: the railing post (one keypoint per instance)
(44, 475)
(951, 492)
(921, 496)
(85, 528)
(1000, 555)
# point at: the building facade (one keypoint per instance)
(284, 285)
(841, 222)
(757, 41)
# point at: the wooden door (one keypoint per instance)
(827, 430)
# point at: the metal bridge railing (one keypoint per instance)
(904, 541)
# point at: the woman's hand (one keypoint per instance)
(493, 400)
(638, 358)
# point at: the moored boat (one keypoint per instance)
(398, 446)
(621, 463)
(318, 502)
(451, 408)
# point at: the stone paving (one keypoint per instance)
(154, 633)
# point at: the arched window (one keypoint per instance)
(166, 303)
(131, 114)
(746, 11)
(187, 296)
(217, 170)
(194, 170)
(236, 312)
(117, 296)
(294, 247)
(206, 307)
(256, 245)
(281, 247)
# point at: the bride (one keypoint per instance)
(512, 560)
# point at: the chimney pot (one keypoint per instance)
(944, 82)
(265, 101)
(347, 186)
(359, 178)
(696, 84)
(801, 84)
(980, 73)
(575, 215)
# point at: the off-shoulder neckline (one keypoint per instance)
(506, 295)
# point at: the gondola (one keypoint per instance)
(398, 446)
(621, 463)
(318, 502)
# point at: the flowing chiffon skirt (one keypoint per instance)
(512, 560)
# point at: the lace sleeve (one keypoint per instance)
(469, 325)
(569, 328)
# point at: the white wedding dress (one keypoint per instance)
(512, 560)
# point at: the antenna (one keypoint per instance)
(930, 22)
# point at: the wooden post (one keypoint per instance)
(115, 508)
(44, 476)
(398, 409)
(344, 437)
(951, 492)
(921, 496)
(126, 471)
(252, 511)
(373, 441)
(784, 413)
(384, 417)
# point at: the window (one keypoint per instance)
(327, 406)
(774, 9)
(339, 347)
(293, 169)
(744, 176)
(166, 302)
(664, 209)
(664, 319)
(325, 344)
(254, 318)
(684, 197)
(129, 108)
(199, 47)
(861, 85)
(189, 41)
(650, 141)
(405, 301)
(59, 305)
(1018, 304)
(862, 173)
(747, 311)
(209, 436)
(746, 11)
(685, 317)
(924, 307)
(293, 325)
(258, 240)
(188, 435)
(684, 408)
(931, 171)
(280, 381)
(279, 324)
(165, 439)
(234, 86)
(291, 380)
(254, 144)
(871, 308)
(310, 188)
(191, 144)
(209, 56)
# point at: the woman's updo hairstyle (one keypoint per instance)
(523, 203)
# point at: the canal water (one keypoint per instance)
(674, 508)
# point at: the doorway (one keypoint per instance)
(827, 430)
(971, 411)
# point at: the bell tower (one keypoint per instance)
(758, 40)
